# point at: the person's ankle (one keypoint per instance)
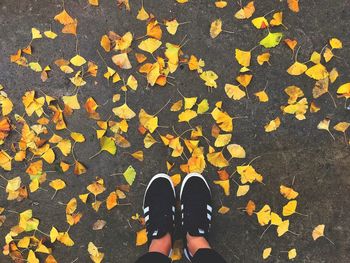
(161, 245)
(194, 243)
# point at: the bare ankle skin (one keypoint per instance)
(161, 245)
(194, 243)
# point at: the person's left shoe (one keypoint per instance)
(159, 207)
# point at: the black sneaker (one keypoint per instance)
(159, 207)
(196, 209)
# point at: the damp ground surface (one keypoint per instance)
(297, 151)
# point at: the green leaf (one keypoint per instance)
(107, 144)
(271, 40)
(130, 175)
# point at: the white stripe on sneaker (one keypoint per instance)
(209, 208)
(146, 209)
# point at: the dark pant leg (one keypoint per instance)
(153, 257)
(207, 255)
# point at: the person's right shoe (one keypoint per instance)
(196, 209)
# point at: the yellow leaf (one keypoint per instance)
(142, 14)
(318, 232)
(24, 242)
(130, 175)
(141, 237)
(317, 72)
(236, 151)
(203, 106)
(275, 219)
(50, 34)
(122, 61)
(124, 112)
(138, 155)
(225, 185)
(264, 215)
(324, 125)
(187, 115)
(292, 253)
(266, 252)
(288, 193)
(217, 159)
(176, 179)
(150, 122)
(96, 187)
(50, 259)
(246, 12)
(93, 2)
(105, 43)
(223, 210)
(71, 206)
(297, 69)
(72, 101)
(273, 125)
(36, 33)
(95, 255)
(84, 197)
(77, 137)
(65, 239)
(335, 43)
(320, 88)
(150, 45)
(32, 258)
(35, 66)
(262, 96)
(148, 141)
(315, 57)
(344, 90)
(234, 92)
(244, 79)
(220, 4)
(277, 19)
(77, 60)
(190, 102)
(243, 57)
(57, 184)
(123, 42)
(107, 144)
(289, 208)
(65, 146)
(79, 168)
(242, 190)
(215, 28)
(172, 26)
(328, 54)
(112, 200)
(342, 126)
(333, 75)
(260, 22)
(132, 82)
(222, 140)
(77, 80)
(264, 57)
(299, 109)
(283, 228)
(209, 77)
(271, 40)
(41, 248)
(13, 184)
(49, 156)
(248, 174)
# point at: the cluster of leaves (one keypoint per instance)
(50, 141)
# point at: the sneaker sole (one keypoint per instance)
(160, 175)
